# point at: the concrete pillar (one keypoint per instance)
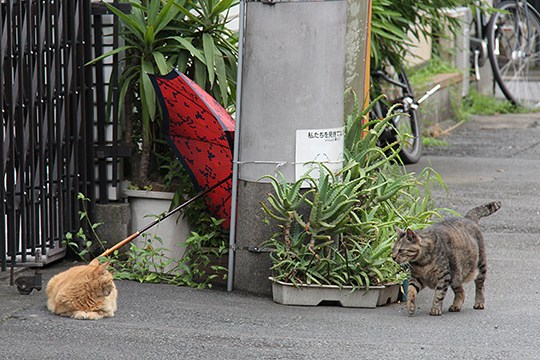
(293, 78)
(357, 42)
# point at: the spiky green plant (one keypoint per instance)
(340, 230)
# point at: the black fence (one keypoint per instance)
(56, 139)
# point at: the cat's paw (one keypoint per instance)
(479, 306)
(86, 315)
(92, 315)
(436, 311)
(80, 315)
(411, 307)
(411, 300)
(454, 308)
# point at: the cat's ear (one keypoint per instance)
(102, 268)
(94, 262)
(399, 231)
(411, 235)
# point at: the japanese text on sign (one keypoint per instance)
(318, 145)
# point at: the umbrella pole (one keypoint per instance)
(133, 236)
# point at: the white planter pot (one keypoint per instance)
(173, 231)
(313, 295)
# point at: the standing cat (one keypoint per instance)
(448, 253)
(83, 292)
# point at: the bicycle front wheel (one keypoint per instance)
(514, 52)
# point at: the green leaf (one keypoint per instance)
(110, 53)
(134, 27)
(166, 15)
(221, 72)
(208, 46)
(186, 42)
(221, 6)
(200, 73)
(161, 62)
(149, 37)
(153, 10)
(148, 96)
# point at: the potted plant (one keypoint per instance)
(193, 37)
(337, 235)
(161, 35)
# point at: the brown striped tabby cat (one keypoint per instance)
(447, 254)
(83, 292)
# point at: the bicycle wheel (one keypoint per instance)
(514, 52)
(406, 124)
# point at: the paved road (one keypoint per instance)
(487, 159)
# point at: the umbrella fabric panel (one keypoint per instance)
(195, 113)
(201, 132)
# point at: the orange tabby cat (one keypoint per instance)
(83, 292)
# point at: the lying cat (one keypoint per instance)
(83, 292)
(449, 253)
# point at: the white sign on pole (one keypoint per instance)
(319, 145)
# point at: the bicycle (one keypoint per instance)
(513, 49)
(405, 129)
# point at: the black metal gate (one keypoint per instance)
(48, 106)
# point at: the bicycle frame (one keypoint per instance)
(407, 100)
(478, 43)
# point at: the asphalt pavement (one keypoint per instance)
(489, 158)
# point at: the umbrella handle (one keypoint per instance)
(133, 236)
(129, 239)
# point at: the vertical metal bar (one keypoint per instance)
(100, 110)
(115, 103)
(76, 116)
(67, 123)
(70, 115)
(234, 193)
(41, 188)
(88, 97)
(10, 145)
(32, 238)
(82, 135)
(85, 158)
(59, 141)
(20, 122)
(3, 234)
(50, 114)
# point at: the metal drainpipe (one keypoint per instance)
(232, 234)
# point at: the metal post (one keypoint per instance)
(234, 194)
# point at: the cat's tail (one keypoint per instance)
(483, 210)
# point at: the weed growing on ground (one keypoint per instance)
(149, 261)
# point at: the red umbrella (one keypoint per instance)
(201, 132)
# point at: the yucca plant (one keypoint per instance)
(191, 35)
(340, 230)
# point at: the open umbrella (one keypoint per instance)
(201, 133)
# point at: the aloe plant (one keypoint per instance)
(341, 229)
